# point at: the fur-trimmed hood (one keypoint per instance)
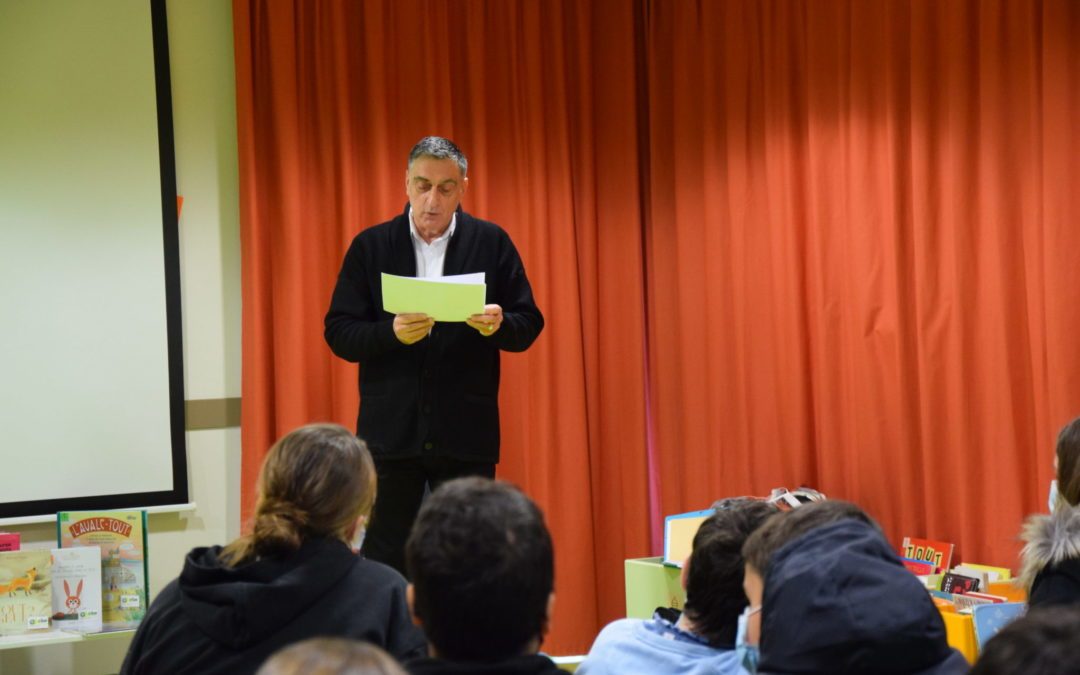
(1050, 540)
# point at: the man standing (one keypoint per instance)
(428, 392)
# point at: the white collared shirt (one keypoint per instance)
(430, 257)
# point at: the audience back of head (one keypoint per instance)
(836, 598)
(317, 481)
(1068, 462)
(481, 563)
(1046, 641)
(331, 656)
(783, 528)
(714, 575)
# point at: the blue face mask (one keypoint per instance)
(748, 654)
(1052, 500)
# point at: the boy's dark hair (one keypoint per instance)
(1045, 642)
(778, 530)
(714, 590)
(482, 567)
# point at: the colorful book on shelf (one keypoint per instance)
(989, 597)
(993, 573)
(989, 619)
(76, 589)
(121, 536)
(9, 541)
(981, 575)
(964, 602)
(25, 591)
(937, 553)
(920, 568)
(958, 584)
(679, 531)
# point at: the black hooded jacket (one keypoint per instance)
(532, 664)
(838, 600)
(215, 619)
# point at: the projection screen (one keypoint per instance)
(91, 379)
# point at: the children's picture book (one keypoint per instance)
(965, 602)
(919, 567)
(958, 584)
(76, 589)
(121, 536)
(969, 571)
(989, 619)
(987, 596)
(679, 531)
(993, 573)
(9, 541)
(937, 553)
(25, 593)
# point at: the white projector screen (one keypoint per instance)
(91, 386)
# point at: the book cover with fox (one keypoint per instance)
(76, 589)
(121, 536)
(25, 592)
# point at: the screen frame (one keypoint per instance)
(178, 494)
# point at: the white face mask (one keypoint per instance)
(1052, 500)
(358, 535)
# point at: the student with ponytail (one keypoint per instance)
(296, 576)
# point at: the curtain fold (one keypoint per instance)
(862, 249)
(776, 242)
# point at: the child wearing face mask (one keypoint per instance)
(707, 636)
(829, 595)
(1050, 569)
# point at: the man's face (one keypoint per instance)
(435, 188)
(755, 591)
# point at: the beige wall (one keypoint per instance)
(204, 109)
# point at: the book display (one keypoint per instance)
(121, 538)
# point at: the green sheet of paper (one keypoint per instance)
(443, 299)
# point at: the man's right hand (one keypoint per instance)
(412, 328)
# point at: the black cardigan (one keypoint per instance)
(439, 396)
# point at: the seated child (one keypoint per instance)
(703, 639)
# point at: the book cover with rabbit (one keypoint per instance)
(76, 589)
(25, 595)
(121, 536)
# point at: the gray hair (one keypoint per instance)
(438, 147)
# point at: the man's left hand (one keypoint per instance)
(489, 322)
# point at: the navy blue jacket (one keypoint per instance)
(439, 396)
(838, 600)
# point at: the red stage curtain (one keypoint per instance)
(542, 97)
(862, 253)
(830, 243)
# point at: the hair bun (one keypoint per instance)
(279, 527)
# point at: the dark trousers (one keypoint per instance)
(402, 485)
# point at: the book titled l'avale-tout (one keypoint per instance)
(25, 591)
(121, 535)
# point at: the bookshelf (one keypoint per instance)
(56, 637)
